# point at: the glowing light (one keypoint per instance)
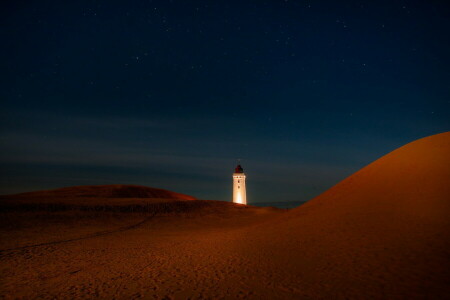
(239, 198)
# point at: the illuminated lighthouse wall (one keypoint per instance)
(239, 193)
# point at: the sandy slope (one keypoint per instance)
(384, 232)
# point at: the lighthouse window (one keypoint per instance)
(239, 187)
(239, 181)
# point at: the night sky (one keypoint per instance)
(170, 94)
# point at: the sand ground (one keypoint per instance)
(215, 254)
(184, 255)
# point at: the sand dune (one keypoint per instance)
(111, 198)
(104, 191)
(384, 232)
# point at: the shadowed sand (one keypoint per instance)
(384, 232)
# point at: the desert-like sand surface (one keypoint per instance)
(382, 233)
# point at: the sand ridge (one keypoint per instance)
(112, 191)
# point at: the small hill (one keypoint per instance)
(106, 191)
(116, 197)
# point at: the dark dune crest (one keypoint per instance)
(105, 191)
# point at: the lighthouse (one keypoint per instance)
(239, 194)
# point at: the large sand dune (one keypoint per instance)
(384, 232)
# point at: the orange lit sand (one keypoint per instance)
(384, 232)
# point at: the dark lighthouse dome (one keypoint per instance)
(238, 169)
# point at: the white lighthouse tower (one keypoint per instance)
(239, 194)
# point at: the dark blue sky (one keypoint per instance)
(170, 93)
